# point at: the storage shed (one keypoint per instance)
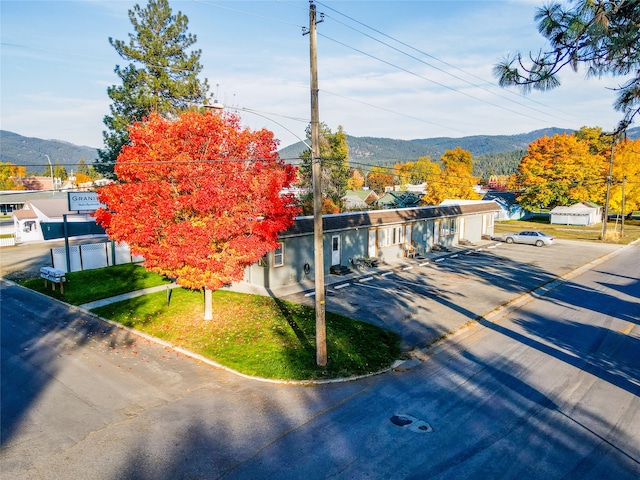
(584, 213)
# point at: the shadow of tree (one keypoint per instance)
(37, 336)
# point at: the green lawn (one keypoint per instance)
(255, 335)
(574, 232)
(88, 285)
(259, 336)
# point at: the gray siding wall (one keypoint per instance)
(354, 243)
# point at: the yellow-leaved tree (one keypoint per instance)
(560, 170)
(457, 180)
(626, 173)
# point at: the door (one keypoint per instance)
(335, 250)
(436, 232)
(372, 244)
(407, 234)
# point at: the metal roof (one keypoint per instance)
(379, 218)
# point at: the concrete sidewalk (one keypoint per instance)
(127, 296)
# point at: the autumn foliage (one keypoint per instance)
(561, 170)
(199, 197)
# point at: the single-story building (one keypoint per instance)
(510, 209)
(359, 199)
(44, 219)
(384, 235)
(584, 213)
(401, 199)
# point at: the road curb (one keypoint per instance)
(506, 308)
(416, 357)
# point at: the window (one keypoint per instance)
(390, 236)
(398, 235)
(278, 255)
(444, 227)
(263, 261)
(29, 226)
(384, 237)
(448, 226)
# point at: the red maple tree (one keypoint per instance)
(199, 197)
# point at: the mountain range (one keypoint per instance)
(501, 151)
(32, 152)
(381, 151)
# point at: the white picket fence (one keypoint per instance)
(92, 255)
(7, 241)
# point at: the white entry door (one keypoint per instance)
(335, 250)
(372, 243)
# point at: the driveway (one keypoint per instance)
(423, 300)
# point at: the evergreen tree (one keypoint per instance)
(59, 171)
(603, 35)
(334, 157)
(162, 77)
(82, 168)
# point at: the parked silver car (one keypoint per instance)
(530, 237)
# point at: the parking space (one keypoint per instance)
(423, 299)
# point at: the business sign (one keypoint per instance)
(84, 201)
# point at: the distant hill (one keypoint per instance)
(383, 151)
(493, 154)
(30, 152)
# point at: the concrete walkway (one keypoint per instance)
(127, 296)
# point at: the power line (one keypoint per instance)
(435, 67)
(429, 79)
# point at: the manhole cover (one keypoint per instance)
(412, 423)
(400, 420)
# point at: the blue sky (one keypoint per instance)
(56, 64)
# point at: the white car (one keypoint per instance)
(530, 237)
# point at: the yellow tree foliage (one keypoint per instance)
(626, 170)
(415, 173)
(356, 181)
(455, 182)
(82, 178)
(8, 173)
(459, 157)
(459, 182)
(560, 170)
(599, 144)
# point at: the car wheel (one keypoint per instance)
(539, 243)
(509, 240)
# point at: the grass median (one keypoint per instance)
(257, 335)
(252, 334)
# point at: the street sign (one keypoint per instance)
(84, 201)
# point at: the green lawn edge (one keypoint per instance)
(259, 336)
(254, 335)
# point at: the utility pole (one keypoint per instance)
(624, 183)
(603, 235)
(316, 172)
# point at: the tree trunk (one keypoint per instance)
(208, 304)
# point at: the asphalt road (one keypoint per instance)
(552, 390)
(424, 300)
